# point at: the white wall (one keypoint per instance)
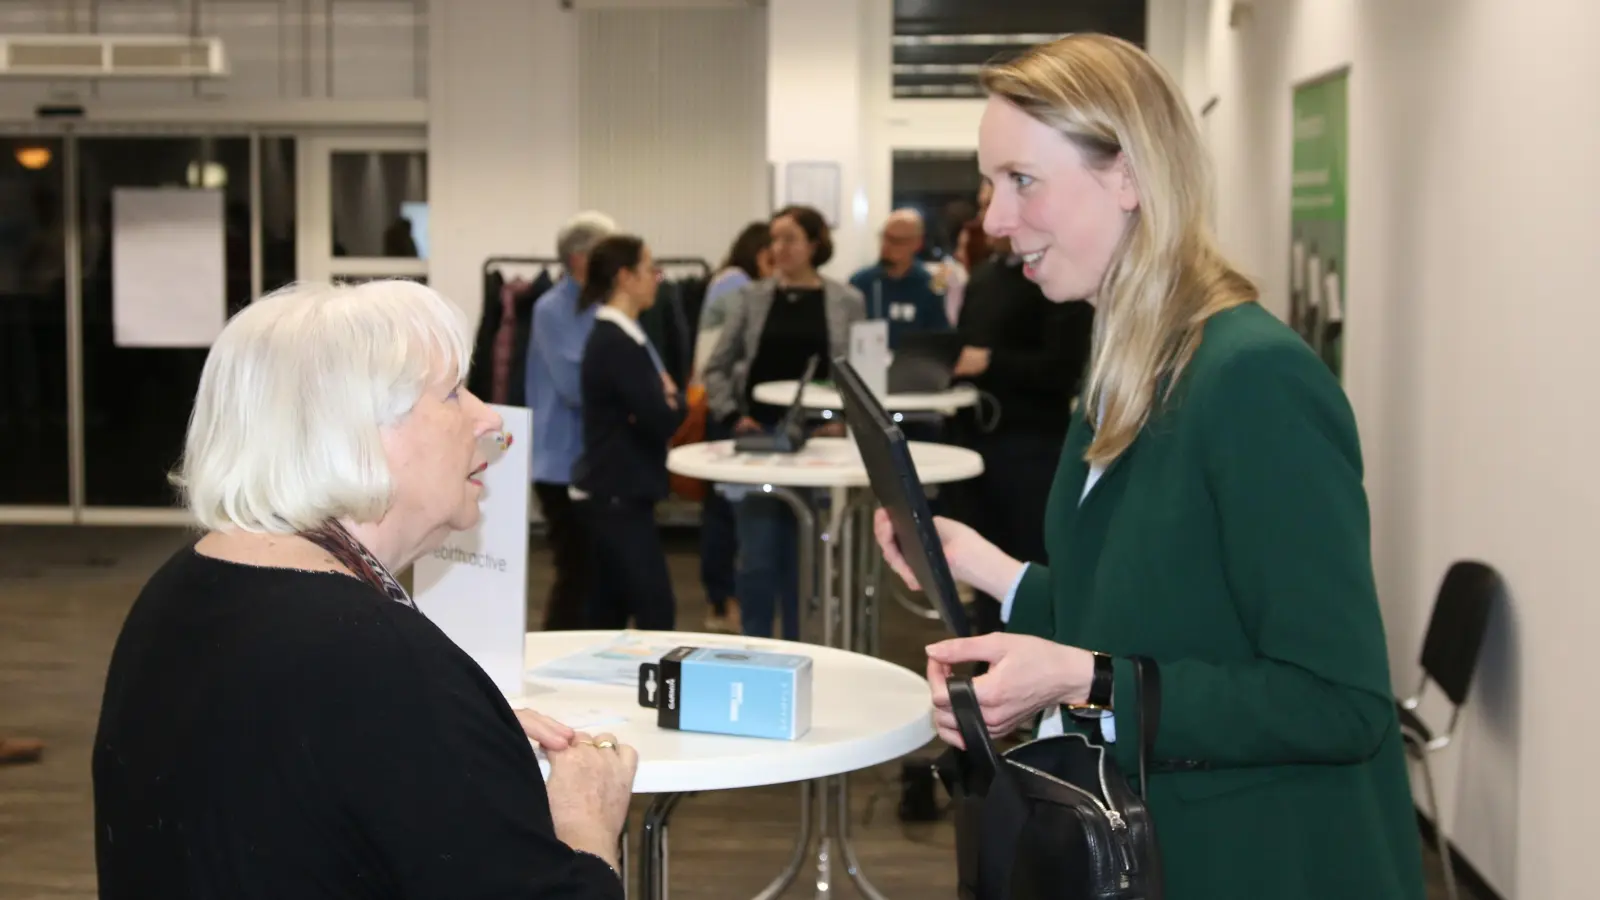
(672, 124)
(934, 124)
(828, 90)
(1471, 233)
(502, 136)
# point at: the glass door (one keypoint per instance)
(137, 397)
(363, 203)
(35, 440)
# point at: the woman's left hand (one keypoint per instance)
(543, 730)
(974, 361)
(1026, 674)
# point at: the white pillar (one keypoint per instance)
(502, 135)
(828, 91)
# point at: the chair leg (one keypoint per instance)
(1440, 838)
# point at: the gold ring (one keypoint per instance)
(605, 745)
(584, 744)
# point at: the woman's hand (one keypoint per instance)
(590, 785)
(1026, 674)
(670, 388)
(973, 560)
(543, 730)
(973, 361)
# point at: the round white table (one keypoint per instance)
(844, 592)
(834, 464)
(822, 463)
(819, 396)
(864, 712)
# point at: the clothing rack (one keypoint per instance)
(685, 261)
(499, 355)
(683, 312)
(493, 263)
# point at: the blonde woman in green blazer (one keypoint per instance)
(1208, 512)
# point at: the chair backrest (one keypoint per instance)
(1457, 627)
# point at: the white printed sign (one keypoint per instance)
(475, 587)
(168, 267)
(869, 354)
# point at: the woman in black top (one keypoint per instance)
(774, 327)
(279, 719)
(631, 409)
(1027, 355)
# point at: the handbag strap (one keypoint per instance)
(983, 760)
(1147, 681)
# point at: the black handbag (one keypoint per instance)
(1052, 818)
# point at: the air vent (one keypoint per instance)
(110, 56)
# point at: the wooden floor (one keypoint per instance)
(64, 593)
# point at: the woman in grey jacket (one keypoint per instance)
(774, 327)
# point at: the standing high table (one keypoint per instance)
(821, 396)
(825, 398)
(865, 712)
(834, 464)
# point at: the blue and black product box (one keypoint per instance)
(717, 690)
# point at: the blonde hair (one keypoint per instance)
(1113, 102)
(286, 429)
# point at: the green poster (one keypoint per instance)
(1317, 247)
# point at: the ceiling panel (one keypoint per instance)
(940, 44)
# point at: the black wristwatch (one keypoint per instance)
(1101, 686)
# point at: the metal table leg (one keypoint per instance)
(791, 870)
(851, 517)
(653, 846)
(852, 865)
(835, 593)
(807, 553)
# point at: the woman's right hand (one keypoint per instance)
(746, 425)
(590, 787)
(973, 559)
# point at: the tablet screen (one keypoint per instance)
(894, 481)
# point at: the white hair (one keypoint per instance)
(581, 233)
(286, 429)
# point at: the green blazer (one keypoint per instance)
(1230, 544)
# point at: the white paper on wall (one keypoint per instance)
(475, 587)
(168, 267)
(814, 184)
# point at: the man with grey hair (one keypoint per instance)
(555, 358)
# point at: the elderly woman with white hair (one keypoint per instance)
(279, 719)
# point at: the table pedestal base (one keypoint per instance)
(833, 851)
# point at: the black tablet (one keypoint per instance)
(894, 481)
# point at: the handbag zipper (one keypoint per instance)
(1119, 825)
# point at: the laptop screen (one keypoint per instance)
(894, 480)
(792, 414)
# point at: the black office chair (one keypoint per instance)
(1449, 657)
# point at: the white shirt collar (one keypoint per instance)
(630, 327)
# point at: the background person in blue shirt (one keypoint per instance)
(897, 287)
(555, 360)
